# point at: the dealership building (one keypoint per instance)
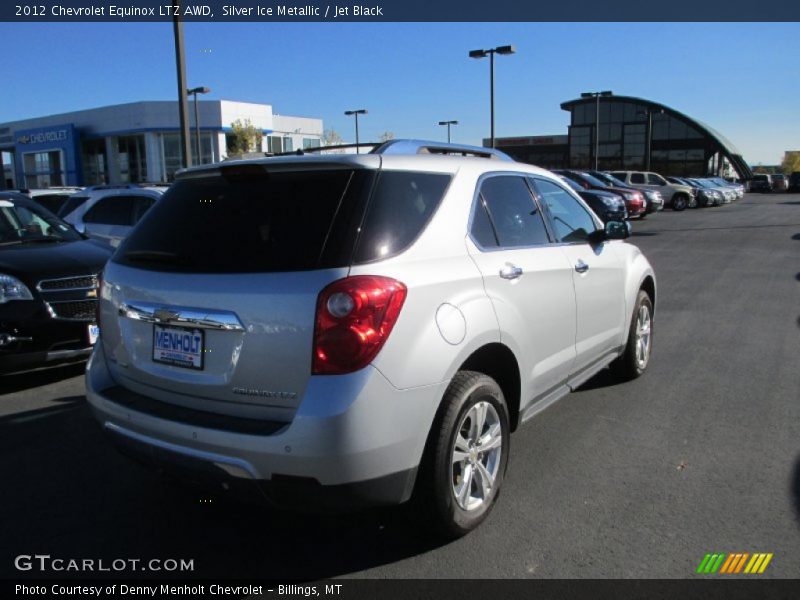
(627, 133)
(136, 142)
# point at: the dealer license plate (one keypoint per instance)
(178, 346)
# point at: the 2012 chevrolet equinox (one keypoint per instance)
(346, 330)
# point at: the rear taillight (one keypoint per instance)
(354, 318)
(99, 297)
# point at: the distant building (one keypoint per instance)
(634, 134)
(136, 142)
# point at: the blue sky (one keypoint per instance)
(742, 79)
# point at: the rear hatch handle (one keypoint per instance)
(172, 315)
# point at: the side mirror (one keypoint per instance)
(614, 230)
(617, 230)
(80, 227)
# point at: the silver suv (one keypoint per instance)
(344, 330)
(679, 197)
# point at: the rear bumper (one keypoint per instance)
(354, 441)
(224, 473)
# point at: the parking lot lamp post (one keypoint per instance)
(448, 123)
(180, 64)
(355, 113)
(490, 53)
(649, 114)
(597, 96)
(194, 92)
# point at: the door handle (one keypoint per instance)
(581, 267)
(510, 271)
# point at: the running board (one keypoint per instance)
(570, 386)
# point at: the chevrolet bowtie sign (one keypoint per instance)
(57, 135)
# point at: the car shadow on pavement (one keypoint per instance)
(32, 379)
(643, 233)
(73, 496)
(605, 378)
(796, 236)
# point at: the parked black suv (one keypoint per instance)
(48, 287)
(794, 182)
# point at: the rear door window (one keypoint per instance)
(512, 212)
(637, 177)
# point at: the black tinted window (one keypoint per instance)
(71, 204)
(141, 206)
(572, 221)
(52, 202)
(250, 220)
(513, 212)
(482, 230)
(402, 204)
(637, 177)
(113, 210)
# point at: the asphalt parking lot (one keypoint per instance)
(641, 479)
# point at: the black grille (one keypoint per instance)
(70, 283)
(79, 310)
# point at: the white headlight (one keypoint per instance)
(12, 288)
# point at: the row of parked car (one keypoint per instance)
(775, 182)
(619, 195)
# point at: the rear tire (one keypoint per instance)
(466, 455)
(634, 360)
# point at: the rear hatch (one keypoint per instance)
(210, 302)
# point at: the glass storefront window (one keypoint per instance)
(43, 169)
(95, 163)
(131, 159)
(172, 151)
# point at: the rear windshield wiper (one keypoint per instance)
(157, 256)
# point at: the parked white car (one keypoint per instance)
(109, 212)
(346, 330)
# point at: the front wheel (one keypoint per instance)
(634, 360)
(467, 454)
(679, 203)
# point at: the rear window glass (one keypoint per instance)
(71, 204)
(250, 220)
(401, 206)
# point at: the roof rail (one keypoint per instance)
(322, 149)
(430, 147)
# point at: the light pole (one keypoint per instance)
(180, 64)
(490, 53)
(597, 96)
(194, 92)
(448, 123)
(648, 112)
(355, 113)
